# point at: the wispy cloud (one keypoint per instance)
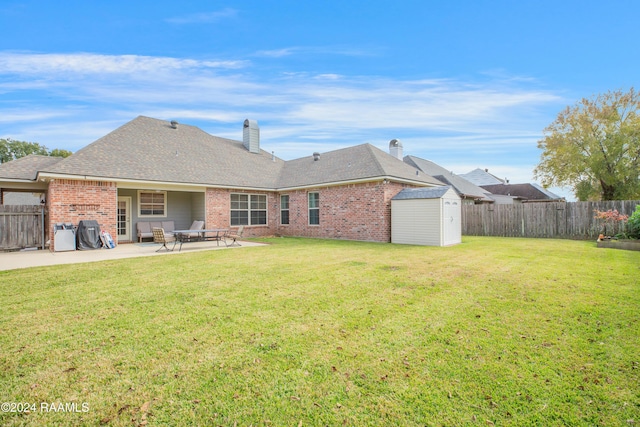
(318, 50)
(84, 94)
(278, 53)
(10, 116)
(203, 17)
(82, 63)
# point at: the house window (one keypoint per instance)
(314, 208)
(248, 209)
(284, 209)
(152, 203)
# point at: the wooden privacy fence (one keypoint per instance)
(572, 220)
(21, 226)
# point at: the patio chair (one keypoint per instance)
(195, 226)
(235, 236)
(159, 236)
(223, 236)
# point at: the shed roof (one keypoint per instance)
(422, 193)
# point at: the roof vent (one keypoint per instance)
(251, 136)
(316, 156)
(395, 148)
(174, 124)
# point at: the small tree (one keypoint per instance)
(594, 147)
(11, 149)
(57, 152)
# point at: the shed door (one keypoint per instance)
(452, 225)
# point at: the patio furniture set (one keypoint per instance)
(195, 233)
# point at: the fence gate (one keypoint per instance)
(22, 226)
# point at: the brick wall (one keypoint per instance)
(218, 205)
(352, 212)
(75, 200)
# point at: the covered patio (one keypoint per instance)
(181, 206)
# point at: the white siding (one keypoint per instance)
(198, 209)
(416, 222)
(424, 221)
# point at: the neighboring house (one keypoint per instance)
(150, 169)
(468, 192)
(502, 192)
(528, 193)
(481, 177)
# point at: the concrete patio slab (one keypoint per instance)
(37, 258)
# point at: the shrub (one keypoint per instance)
(610, 219)
(633, 224)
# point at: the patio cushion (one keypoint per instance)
(168, 227)
(196, 225)
(145, 228)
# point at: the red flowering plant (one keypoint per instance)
(611, 220)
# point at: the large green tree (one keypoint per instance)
(11, 149)
(594, 148)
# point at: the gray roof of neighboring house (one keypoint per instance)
(463, 187)
(526, 191)
(422, 193)
(481, 177)
(148, 149)
(348, 164)
(27, 167)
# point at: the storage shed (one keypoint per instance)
(426, 216)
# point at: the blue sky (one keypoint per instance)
(465, 84)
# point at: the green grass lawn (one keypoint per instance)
(494, 331)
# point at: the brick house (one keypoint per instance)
(150, 169)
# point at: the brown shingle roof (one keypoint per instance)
(526, 191)
(148, 149)
(27, 167)
(151, 150)
(348, 164)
